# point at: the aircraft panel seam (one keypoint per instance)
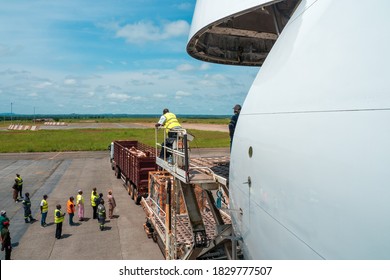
(321, 111)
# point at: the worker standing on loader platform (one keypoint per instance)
(169, 121)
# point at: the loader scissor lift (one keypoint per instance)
(200, 230)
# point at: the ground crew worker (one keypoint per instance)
(15, 191)
(3, 218)
(101, 214)
(94, 196)
(44, 209)
(169, 121)
(80, 205)
(233, 122)
(70, 209)
(6, 240)
(111, 204)
(20, 184)
(97, 201)
(58, 220)
(27, 209)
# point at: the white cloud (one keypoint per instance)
(218, 77)
(180, 94)
(121, 97)
(70, 82)
(43, 85)
(175, 29)
(185, 67)
(186, 6)
(76, 54)
(205, 66)
(147, 31)
(160, 95)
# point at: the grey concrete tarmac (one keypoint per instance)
(60, 175)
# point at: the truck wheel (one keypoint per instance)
(131, 188)
(128, 187)
(138, 200)
(118, 172)
(154, 236)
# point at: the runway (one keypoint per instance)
(60, 175)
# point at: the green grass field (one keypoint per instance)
(94, 139)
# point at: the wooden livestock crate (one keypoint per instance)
(135, 160)
(158, 192)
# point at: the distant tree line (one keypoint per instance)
(57, 117)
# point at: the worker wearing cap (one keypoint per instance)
(169, 121)
(6, 240)
(70, 209)
(58, 220)
(27, 209)
(233, 122)
(101, 214)
(3, 218)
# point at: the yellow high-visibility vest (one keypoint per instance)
(59, 219)
(45, 206)
(93, 197)
(170, 121)
(20, 181)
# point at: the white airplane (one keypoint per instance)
(310, 162)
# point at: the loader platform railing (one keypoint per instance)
(175, 158)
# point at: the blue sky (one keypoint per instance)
(112, 56)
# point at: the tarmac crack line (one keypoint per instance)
(120, 238)
(56, 155)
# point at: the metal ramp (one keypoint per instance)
(182, 241)
(208, 230)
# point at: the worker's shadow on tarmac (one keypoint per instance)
(66, 235)
(107, 228)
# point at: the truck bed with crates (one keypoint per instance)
(132, 161)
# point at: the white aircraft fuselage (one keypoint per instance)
(309, 170)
